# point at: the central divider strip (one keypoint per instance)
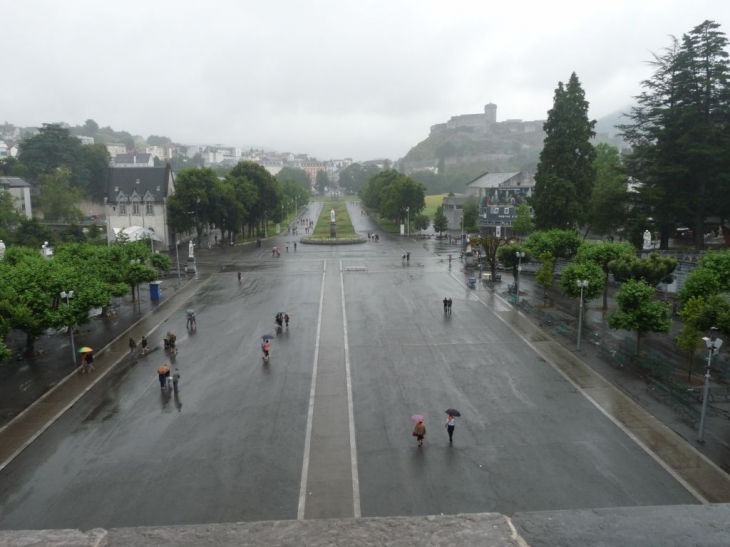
(329, 486)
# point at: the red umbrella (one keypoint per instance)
(416, 418)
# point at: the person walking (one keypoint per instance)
(450, 425)
(419, 432)
(162, 373)
(449, 302)
(175, 380)
(143, 344)
(239, 276)
(446, 305)
(89, 367)
(295, 246)
(132, 345)
(408, 258)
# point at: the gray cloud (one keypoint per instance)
(330, 78)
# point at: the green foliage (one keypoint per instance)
(523, 223)
(471, 214)
(566, 173)
(31, 233)
(653, 270)
(155, 140)
(72, 233)
(420, 222)
(193, 203)
(563, 244)
(51, 148)
(710, 278)
(259, 191)
(9, 216)
(638, 311)
(678, 132)
(300, 176)
(390, 193)
(545, 273)
(602, 254)
(507, 255)
(355, 176)
(322, 182)
(609, 202)
(693, 314)
(440, 222)
(583, 271)
(59, 199)
(490, 248)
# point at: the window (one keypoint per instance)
(150, 208)
(495, 210)
(122, 209)
(135, 208)
(506, 210)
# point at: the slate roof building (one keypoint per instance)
(133, 160)
(499, 196)
(137, 196)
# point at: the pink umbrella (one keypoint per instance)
(416, 418)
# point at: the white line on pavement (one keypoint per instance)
(351, 414)
(310, 412)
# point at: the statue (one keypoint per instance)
(332, 215)
(2, 249)
(647, 239)
(191, 246)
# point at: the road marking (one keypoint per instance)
(351, 414)
(595, 403)
(310, 412)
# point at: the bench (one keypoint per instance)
(683, 408)
(716, 391)
(564, 329)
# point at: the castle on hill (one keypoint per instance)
(486, 124)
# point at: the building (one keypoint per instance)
(454, 210)
(20, 190)
(86, 141)
(116, 148)
(137, 197)
(486, 124)
(499, 196)
(133, 160)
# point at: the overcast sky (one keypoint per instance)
(331, 78)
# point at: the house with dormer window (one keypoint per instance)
(136, 197)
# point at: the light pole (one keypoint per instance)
(177, 256)
(67, 296)
(520, 256)
(134, 262)
(44, 248)
(713, 344)
(408, 212)
(582, 283)
(461, 236)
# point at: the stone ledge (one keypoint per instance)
(331, 241)
(482, 530)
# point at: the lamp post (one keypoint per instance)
(582, 283)
(177, 256)
(408, 212)
(461, 236)
(44, 248)
(67, 296)
(713, 344)
(133, 262)
(520, 256)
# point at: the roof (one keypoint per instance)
(14, 182)
(491, 180)
(127, 180)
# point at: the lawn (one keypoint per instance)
(342, 219)
(432, 202)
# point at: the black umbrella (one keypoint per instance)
(453, 412)
(268, 337)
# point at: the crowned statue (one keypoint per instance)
(332, 215)
(191, 246)
(647, 239)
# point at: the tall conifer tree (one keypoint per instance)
(565, 174)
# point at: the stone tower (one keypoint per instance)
(491, 112)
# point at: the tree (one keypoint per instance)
(710, 278)
(638, 311)
(91, 170)
(300, 176)
(690, 337)
(355, 176)
(565, 174)
(507, 255)
(563, 244)
(545, 273)
(91, 128)
(9, 216)
(440, 222)
(58, 199)
(523, 223)
(602, 254)
(582, 271)
(421, 221)
(31, 233)
(653, 270)
(155, 140)
(322, 182)
(51, 148)
(491, 245)
(609, 202)
(471, 214)
(262, 187)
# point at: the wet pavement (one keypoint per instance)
(368, 346)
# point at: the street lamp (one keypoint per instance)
(713, 344)
(68, 295)
(139, 305)
(582, 283)
(44, 248)
(520, 256)
(408, 212)
(461, 237)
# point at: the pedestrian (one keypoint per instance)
(408, 258)
(239, 276)
(674, 308)
(403, 259)
(287, 247)
(446, 305)
(419, 432)
(175, 380)
(215, 237)
(83, 363)
(132, 345)
(90, 362)
(162, 373)
(143, 343)
(295, 246)
(449, 302)
(450, 425)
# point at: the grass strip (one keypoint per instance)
(342, 220)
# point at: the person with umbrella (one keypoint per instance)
(266, 345)
(419, 431)
(162, 373)
(451, 414)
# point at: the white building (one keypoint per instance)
(137, 196)
(133, 160)
(86, 141)
(20, 190)
(116, 148)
